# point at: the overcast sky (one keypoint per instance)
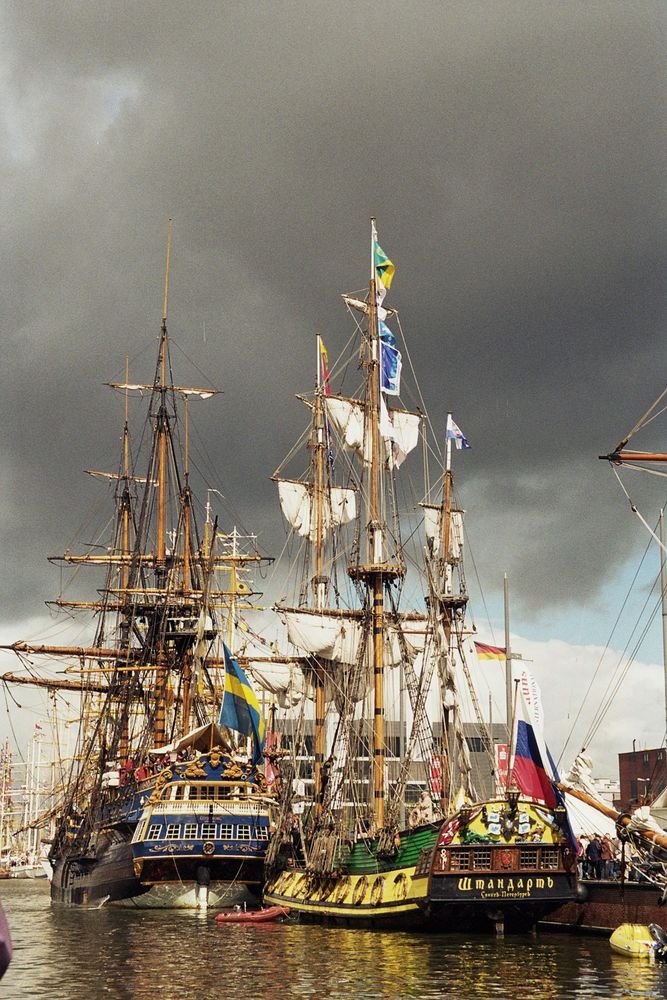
(514, 156)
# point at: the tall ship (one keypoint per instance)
(390, 830)
(164, 800)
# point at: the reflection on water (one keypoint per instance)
(66, 954)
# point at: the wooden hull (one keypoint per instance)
(604, 906)
(499, 864)
(472, 903)
(367, 891)
(391, 899)
(84, 881)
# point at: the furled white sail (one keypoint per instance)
(433, 531)
(183, 389)
(296, 501)
(362, 306)
(338, 636)
(283, 680)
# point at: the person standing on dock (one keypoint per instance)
(594, 857)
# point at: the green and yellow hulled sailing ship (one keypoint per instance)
(163, 804)
(391, 832)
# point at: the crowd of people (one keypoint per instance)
(599, 857)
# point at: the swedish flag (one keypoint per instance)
(240, 709)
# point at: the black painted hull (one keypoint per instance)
(83, 881)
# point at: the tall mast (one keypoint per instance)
(375, 547)
(161, 540)
(124, 741)
(125, 501)
(186, 502)
(162, 428)
(663, 589)
(318, 580)
(447, 608)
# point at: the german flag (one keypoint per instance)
(485, 652)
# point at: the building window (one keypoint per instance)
(208, 831)
(190, 831)
(226, 831)
(243, 832)
(646, 758)
(173, 831)
(154, 831)
(180, 791)
(475, 744)
(261, 833)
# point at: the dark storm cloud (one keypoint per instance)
(514, 156)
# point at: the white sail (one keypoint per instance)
(283, 680)
(399, 428)
(338, 636)
(348, 418)
(296, 501)
(362, 306)
(433, 530)
(401, 432)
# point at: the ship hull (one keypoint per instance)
(365, 891)
(474, 903)
(602, 906)
(393, 899)
(88, 881)
(500, 865)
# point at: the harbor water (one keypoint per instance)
(65, 953)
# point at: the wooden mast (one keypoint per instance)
(375, 547)
(447, 608)
(123, 743)
(161, 538)
(318, 580)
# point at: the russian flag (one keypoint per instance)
(533, 769)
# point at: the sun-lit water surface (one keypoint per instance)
(66, 954)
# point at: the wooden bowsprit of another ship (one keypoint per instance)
(161, 807)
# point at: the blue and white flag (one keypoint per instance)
(387, 336)
(391, 370)
(391, 361)
(455, 434)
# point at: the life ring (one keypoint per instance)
(376, 890)
(360, 890)
(209, 847)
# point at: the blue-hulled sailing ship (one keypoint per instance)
(165, 800)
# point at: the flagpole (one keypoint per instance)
(508, 661)
(663, 589)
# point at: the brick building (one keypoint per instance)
(643, 775)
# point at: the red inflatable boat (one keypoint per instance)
(252, 916)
